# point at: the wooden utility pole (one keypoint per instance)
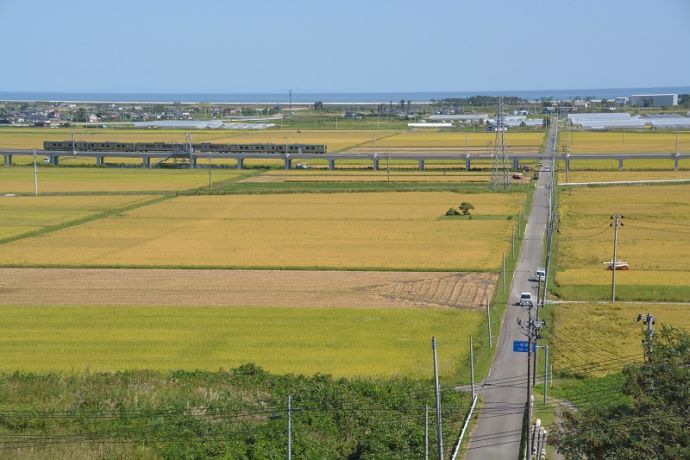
(616, 223)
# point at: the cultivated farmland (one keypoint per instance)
(342, 342)
(598, 339)
(623, 141)
(371, 176)
(400, 231)
(21, 215)
(66, 180)
(654, 241)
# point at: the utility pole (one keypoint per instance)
(388, 167)
(649, 321)
(289, 445)
(426, 432)
(512, 242)
(209, 170)
(35, 175)
(439, 430)
(616, 223)
(488, 320)
(472, 365)
(504, 272)
(531, 330)
(546, 370)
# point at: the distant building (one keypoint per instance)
(621, 101)
(653, 100)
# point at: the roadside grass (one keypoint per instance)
(394, 231)
(338, 341)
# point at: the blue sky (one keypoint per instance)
(341, 46)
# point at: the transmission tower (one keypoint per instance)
(500, 180)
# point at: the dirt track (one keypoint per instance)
(289, 288)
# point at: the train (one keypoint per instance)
(278, 149)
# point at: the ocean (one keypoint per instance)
(333, 98)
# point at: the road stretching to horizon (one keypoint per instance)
(498, 430)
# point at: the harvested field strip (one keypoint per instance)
(337, 341)
(623, 141)
(22, 217)
(366, 231)
(370, 176)
(247, 288)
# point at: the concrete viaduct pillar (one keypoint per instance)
(147, 162)
(516, 164)
(288, 163)
(676, 158)
(376, 164)
(99, 161)
(620, 164)
(468, 163)
(331, 164)
(421, 165)
(240, 163)
(55, 160)
(567, 163)
(7, 159)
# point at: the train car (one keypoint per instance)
(107, 146)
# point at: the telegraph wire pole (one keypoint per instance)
(532, 330)
(426, 432)
(616, 223)
(439, 430)
(649, 321)
(472, 365)
(35, 175)
(289, 413)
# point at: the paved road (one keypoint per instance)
(497, 432)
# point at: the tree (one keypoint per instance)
(465, 208)
(655, 425)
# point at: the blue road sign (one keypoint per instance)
(521, 346)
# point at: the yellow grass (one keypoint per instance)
(369, 176)
(645, 142)
(648, 164)
(357, 231)
(24, 214)
(654, 239)
(19, 179)
(611, 334)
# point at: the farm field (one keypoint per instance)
(611, 338)
(371, 176)
(455, 141)
(612, 176)
(623, 141)
(654, 241)
(244, 288)
(374, 231)
(21, 214)
(341, 341)
(68, 180)
(634, 165)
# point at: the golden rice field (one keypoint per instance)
(623, 141)
(613, 176)
(455, 140)
(370, 176)
(22, 214)
(587, 335)
(20, 179)
(654, 239)
(657, 164)
(400, 231)
(338, 341)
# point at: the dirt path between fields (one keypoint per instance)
(276, 288)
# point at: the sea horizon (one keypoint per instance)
(325, 97)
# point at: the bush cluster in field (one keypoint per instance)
(235, 414)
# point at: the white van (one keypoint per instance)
(526, 299)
